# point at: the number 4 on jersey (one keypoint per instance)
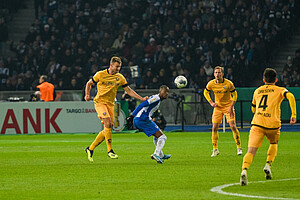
(263, 102)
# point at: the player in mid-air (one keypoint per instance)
(108, 81)
(266, 121)
(141, 119)
(225, 98)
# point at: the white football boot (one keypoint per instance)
(267, 170)
(215, 152)
(244, 179)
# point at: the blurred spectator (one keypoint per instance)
(201, 78)
(174, 35)
(154, 83)
(3, 36)
(296, 61)
(208, 69)
(229, 75)
(151, 48)
(288, 66)
(4, 72)
(73, 85)
(118, 43)
(8, 86)
(37, 4)
(147, 79)
(20, 84)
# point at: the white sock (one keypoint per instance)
(160, 144)
(155, 140)
(161, 154)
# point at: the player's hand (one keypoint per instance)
(145, 98)
(293, 120)
(213, 104)
(129, 124)
(87, 97)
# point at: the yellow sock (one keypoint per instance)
(237, 139)
(100, 137)
(272, 153)
(247, 160)
(107, 133)
(214, 138)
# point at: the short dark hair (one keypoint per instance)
(44, 77)
(164, 87)
(270, 75)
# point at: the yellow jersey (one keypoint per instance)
(107, 86)
(267, 100)
(222, 91)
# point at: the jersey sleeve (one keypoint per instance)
(208, 86)
(231, 86)
(153, 99)
(123, 81)
(284, 92)
(96, 77)
(144, 104)
(253, 106)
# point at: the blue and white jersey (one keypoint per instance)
(147, 108)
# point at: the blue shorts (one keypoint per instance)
(147, 125)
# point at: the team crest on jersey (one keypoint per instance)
(117, 79)
(104, 113)
(152, 100)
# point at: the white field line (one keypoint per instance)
(219, 189)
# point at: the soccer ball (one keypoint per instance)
(180, 81)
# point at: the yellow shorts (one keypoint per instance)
(257, 134)
(218, 115)
(105, 111)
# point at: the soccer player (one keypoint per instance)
(141, 119)
(108, 81)
(266, 121)
(225, 98)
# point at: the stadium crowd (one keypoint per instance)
(70, 40)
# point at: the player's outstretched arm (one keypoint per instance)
(88, 86)
(290, 97)
(133, 94)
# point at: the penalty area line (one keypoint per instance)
(219, 189)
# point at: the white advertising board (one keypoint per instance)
(48, 117)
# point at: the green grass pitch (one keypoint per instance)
(56, 167)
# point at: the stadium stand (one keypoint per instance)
(70, 40)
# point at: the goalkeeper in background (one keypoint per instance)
(266, 121)
(141, 119)
(108, 81)
(225, 98)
